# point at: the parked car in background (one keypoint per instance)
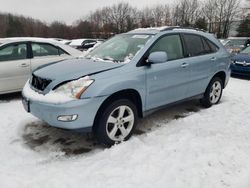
(20, 56)
(63, 41)
(224, 41)
(129, 76)
(241, 63)
(84, 44)
(236, 44)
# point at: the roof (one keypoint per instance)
(243, 38)
(33, 39)
(67, 48)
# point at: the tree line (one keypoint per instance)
(216, 16)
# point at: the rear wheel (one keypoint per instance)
(116, 122)
(213, 93)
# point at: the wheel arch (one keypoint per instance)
(222, 76)
(130, 94)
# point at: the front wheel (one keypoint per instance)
(116, 122)
(213, 93)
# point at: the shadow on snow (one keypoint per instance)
(41, 137)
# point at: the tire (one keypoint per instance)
(213, 93)
(116, 122)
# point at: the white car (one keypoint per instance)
(20, 56)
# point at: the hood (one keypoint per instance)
(242, 57)
(73, 69)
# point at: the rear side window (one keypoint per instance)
(170, 44)
(197, 45)
(40, 50)
(194, 45)
(13, 52)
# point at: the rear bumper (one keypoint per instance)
(227, 77)
(85, 109)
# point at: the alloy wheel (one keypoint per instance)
(215, 92)
(120, 123)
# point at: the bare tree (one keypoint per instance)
(186, 12)
(217, 14)
(3, 25)
(119, 15)
(221, 14)
(157, 15)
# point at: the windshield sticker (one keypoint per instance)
(140, 36)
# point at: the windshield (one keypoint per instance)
(246, 50)
(120, 49)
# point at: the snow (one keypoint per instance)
(77, 42)
(152, 28)
(51, 97)
(98, 43)
(183, 146)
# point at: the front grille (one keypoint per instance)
(39, 83)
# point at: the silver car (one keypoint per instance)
(20, 56)
(126, 78)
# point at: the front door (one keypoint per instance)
(14, 67)
(166, 82)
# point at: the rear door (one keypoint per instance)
(201, 60)
(45, 53)
(14, 67)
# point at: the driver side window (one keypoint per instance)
(170, 44)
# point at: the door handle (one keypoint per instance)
(24, 65)
(213, 58)
(184, 65)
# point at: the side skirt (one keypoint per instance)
(148, 112)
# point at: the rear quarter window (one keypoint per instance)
(214, 48)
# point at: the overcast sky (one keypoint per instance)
(64, 10)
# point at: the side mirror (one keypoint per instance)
(157, 57)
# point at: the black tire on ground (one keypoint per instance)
(206, 101)
(102, 129)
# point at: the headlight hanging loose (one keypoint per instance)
(75, 88)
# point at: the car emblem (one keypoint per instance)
(244, 63)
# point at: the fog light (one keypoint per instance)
(67, 118)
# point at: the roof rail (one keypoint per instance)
(179, 27)
(164, 28)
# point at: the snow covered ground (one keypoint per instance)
(183, 146)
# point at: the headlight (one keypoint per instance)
(75, 88)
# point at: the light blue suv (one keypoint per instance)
(126, 78)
